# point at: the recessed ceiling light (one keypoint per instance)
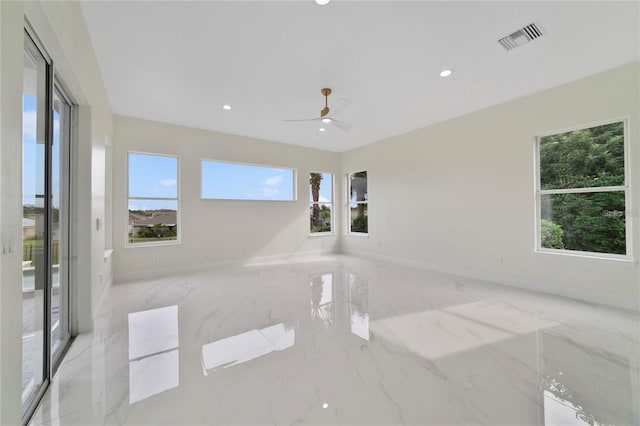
(227, 107)
(325, 405)
(321, 129)
(322, 2)
(326, 120)
(446, 73)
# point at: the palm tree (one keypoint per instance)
(314, 181)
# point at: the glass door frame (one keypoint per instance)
(51, 361)
(65, 238)
(30, 400)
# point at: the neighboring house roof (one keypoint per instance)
(135, 218)
(28, 223)
(167, 218)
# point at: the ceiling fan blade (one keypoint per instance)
(340, 106)
(345, 127)
(327, 114)
(306, 119)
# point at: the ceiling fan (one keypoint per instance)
(327, 115)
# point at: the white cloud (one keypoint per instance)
(29, 121)
(273, 181)
(137, 207)
(168, 182)
(30, 126)
(322, 199)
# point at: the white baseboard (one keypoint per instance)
(510, 281)
(253, 261)
(462, 272)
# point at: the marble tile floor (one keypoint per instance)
(335, 340)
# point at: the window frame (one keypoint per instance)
(348, 203)
(178, 239)
(294, 178)
(331, 204)
(625, 188)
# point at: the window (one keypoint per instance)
(233, 181)
(358, 203)
(582, 191)
(153, 199)
(321, 199)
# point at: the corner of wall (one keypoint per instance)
(11, 58)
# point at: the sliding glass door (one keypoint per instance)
(60, 184)
(46, 136)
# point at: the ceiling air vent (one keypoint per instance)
(522, 36)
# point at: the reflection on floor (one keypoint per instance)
(340, 340)
(244, 347)
(153, 352)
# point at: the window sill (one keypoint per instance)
(322, 234)
(248, 199)
(586, 256)
(357, 234)
(163, 244)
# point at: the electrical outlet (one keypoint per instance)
(499, 259)
(156, 259)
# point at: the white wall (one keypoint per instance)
(215, 230)
(61, 28)
(457, 195)
(11, 56)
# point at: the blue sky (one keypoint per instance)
(231, 181)
(33, 162)
(152, 176)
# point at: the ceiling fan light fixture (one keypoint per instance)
(322, 2)
(326, 120)
(446, 72)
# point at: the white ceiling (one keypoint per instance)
(179, 62)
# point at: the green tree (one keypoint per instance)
(360, 224)
(586, 158)
(158, 230)
(551, 234)
(583, 158)
(325, 214)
